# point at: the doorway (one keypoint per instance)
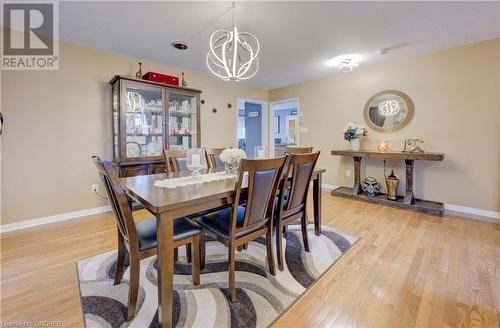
(252, 126)
(285, 125)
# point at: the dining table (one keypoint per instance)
(187, 200)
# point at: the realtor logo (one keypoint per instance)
(30, 36)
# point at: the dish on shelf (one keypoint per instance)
(154, 148)
(133, 149)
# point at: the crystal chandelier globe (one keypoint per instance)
(233, 54)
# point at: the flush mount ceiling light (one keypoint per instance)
(345, 63)
(233, 54)
(388, 107)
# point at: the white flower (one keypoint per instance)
(232, 155)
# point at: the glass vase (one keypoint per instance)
(355, 144)
(231, 168)
(195, 160)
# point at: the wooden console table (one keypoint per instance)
(407, 201)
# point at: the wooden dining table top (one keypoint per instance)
(161, 199)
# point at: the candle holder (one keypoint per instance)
(195, 161)
(383, 147)
(259, 152)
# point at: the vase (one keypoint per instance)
(355, 144)
(231, 168)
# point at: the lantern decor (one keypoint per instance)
(383, 147)
(233, 54)
(391, 183)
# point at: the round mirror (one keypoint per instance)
(388, 110)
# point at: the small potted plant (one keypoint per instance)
(232, 158)
(352, 133)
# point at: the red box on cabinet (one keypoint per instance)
(161, 78)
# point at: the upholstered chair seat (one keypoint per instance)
(146, 231)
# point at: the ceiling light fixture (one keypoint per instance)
(180, 45)
(388, 107)
(345, 63)
(233, 54)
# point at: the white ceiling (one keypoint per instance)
(297, 38)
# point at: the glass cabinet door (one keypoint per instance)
(182, 121)
(144, 108)
(115, 104)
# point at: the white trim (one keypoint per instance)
(469, 212)
(53, 218)
(473, 213)
(329, 187)
(450, 209)
(264, 121)
(271, 122)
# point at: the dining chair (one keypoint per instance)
(291, 206)
(213, 159)
(298, 150)
(137, 240)
(237, 225)
(175, 160)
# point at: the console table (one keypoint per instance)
(407, 201)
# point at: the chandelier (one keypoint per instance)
(388, 107)
(233, 54)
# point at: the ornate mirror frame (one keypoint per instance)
(409, 104)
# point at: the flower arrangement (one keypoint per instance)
(353, 131)
(232, 155)
(232, 158)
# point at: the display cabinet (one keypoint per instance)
(148, 117)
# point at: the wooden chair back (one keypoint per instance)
(175, 160)
(298, 150)
(262, 179)
(294, 185)
(118, 199)
(212, 157)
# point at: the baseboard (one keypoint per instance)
(472, 213)
(329, 187)
(4, 228)
(469, 212)
(450, 209)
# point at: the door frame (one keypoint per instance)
(264, 121)
(271, 121)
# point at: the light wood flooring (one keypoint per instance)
(408, 270)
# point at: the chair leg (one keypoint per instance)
(188, 253)
(303, 224)
(202, 250)
(195, 263)
(176, 254)
(232, 274)
(279, 246)
(270, 256)
(133, 287)
(120, 262)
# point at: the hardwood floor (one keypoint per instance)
(408, 270)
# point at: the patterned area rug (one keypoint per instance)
(262, 298)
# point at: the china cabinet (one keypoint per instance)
(148, 117)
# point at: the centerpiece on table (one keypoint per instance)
(354, 132)
(232, 158)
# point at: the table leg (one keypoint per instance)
(409, 198)
(165, 251)
(317, 204)
(356, 190)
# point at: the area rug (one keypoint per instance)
(262, 298)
